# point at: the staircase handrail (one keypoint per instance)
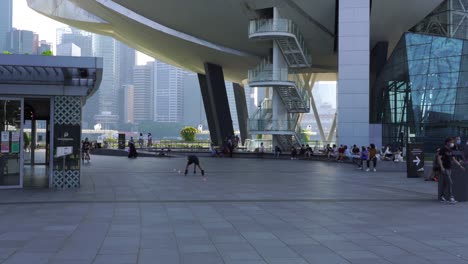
(271, 125)
(279, 25)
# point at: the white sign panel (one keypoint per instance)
(64, 151)
(5, 136)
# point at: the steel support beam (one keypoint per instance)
(215, 101)
(309, 82)
(242, 111)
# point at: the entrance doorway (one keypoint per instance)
(37, 143)
(10, 144)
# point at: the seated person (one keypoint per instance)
(293, 153)
(398, 155)
(341, 151)
(356, 155)
(328, 150)
(333, 152)
(308, 152)
(302, 151)
(387, 154)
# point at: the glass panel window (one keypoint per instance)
(11, 149)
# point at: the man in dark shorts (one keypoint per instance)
(445, 159)
(192, 159)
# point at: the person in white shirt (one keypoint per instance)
(150, 140)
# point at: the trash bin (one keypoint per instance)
(121, 141)
(460, 184)
(415, 160)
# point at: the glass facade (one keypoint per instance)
(449, 19)
(422, 92)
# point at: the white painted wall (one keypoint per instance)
(353, 72)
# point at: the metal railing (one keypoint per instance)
(279, 25)
(303, 94)
(264, 72)
(264, 109)
(272, 125)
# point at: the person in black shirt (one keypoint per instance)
(445, 159)
(192, 159)
(85, 149)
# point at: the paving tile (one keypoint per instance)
(115, 259)
(318, 213)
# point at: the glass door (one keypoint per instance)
(11, 144)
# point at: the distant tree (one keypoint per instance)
(27, 140)
(6, 52)
(305, 136)
(189, 134)
(47, 53)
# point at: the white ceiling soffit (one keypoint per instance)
(66, 9)
(391, 18)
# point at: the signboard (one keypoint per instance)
(5, 145)
(15, 144)
(121, 141)
(64, 151)
(5, 136)
(15, 136)
(414, 160)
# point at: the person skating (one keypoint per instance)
(132, 153)
(192, 159)
(445, 159)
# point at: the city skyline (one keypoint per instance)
(325, 92)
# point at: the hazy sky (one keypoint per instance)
(28, 19)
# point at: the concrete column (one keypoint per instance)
(353, 72)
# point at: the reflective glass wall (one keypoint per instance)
(11, 146)
(422, 93)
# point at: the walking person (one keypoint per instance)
(435, 173)
(192, 159)
(372, 157)
(132, 153)
(445, 159)
(150, 140)
(230, 145)
(140, 140)
(85, 149)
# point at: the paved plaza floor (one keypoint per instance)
(248, 211)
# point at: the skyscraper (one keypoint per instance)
(44, 46)
(80, 38)
(21, 42)
(6, 19)
(68, 49)
(106, 47)
(143, 92)
(127, 60)
(194, 111)
(169, 94)
(128, 103)
(126, 64)
(66, 38)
